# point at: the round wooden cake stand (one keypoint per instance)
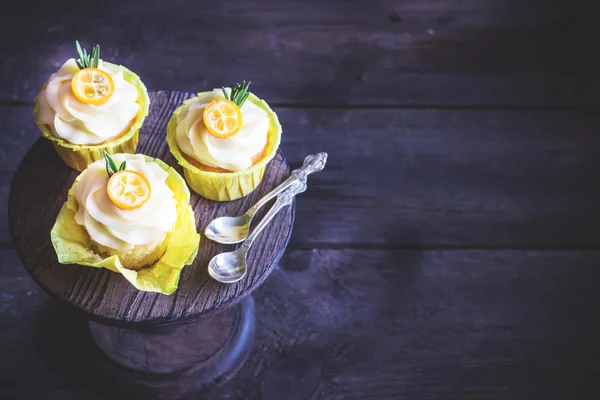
(165, 346)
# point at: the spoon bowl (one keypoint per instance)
(229, 230)
(229, 267)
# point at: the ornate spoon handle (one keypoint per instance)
(283, 199)
(312, 163)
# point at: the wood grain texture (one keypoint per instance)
(37, 194)
(448, 178)
(424, 178)
(475, 52)
(382, 324)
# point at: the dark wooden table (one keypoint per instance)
(450, 250)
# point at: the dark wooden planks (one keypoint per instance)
(314, 52)
(17, 134)
(381, 324)
(447, 178)
(45, 350)
(442, 324)
(423, 178)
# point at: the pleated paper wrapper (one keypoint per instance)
(80, 156)
(72, 242)
(225, 186)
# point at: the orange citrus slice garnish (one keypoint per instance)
(92, 86)
(222, 118)
(128, 189)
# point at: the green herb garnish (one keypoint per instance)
(111, 166)
(239, 93)
(86, 60)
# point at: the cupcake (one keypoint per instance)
(89, 106)
(129, 213)
(224, 139)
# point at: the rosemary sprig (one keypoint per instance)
(239, 93)
(86, 60)
(111, 166)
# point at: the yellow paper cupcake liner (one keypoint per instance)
(73, 246)
(80, 156)
(225, 186)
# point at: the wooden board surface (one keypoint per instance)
(423, 178)
(380, 323)
(475, 52)
(38, 194)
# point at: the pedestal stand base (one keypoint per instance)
(170, 364)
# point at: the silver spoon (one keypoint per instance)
(231, 267)
(230, 230)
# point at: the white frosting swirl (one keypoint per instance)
(234, 153)
(81, 123)
(123, 229)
